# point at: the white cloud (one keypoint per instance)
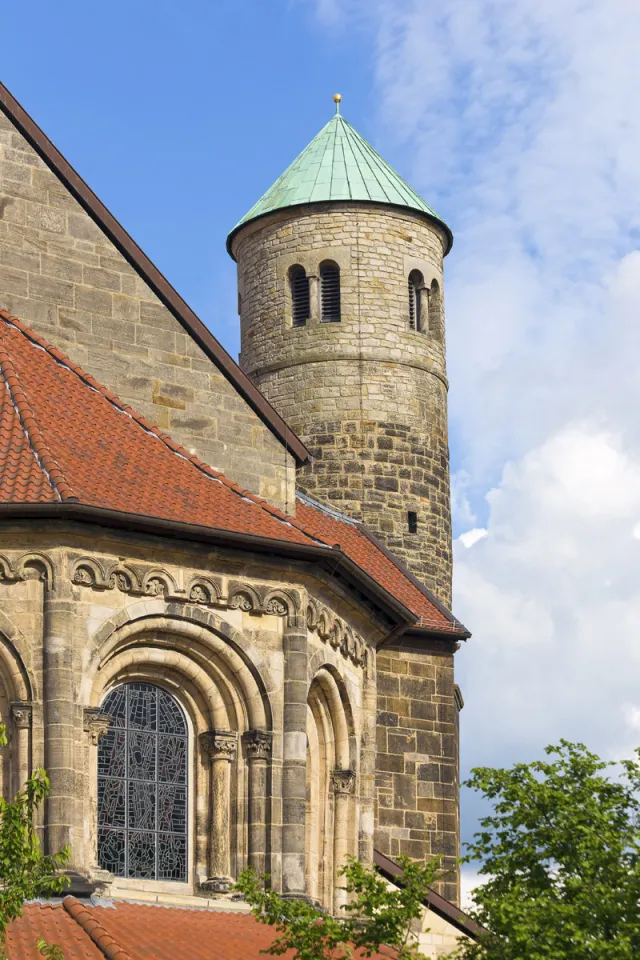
(553, 596)
(469, 880)
(471, 537)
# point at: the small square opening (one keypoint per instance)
(412, 521)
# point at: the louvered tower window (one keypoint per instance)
(300, 305)
(330, 291)
(416, 282)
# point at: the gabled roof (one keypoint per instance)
(67, 442)
(130, 250)
(339, 165)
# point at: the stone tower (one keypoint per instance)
(363, 386)
(340, 296)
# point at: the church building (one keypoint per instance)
(225, 589)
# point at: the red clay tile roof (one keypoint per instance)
(136, 931)
(330, 527)
(66, 438)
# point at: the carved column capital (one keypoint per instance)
(344, 781)
(96, 724)
(258, 744)
(219, 744)
(21, 713)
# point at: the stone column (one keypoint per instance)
(314, 298)
(294, 770)
(59, 716)
(220, 747)
(258, 747)
(21, 716)
(344, 782)
(423, 307)
(96, 723)
(367, 767)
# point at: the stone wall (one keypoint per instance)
(417, 791)
(61, 275)
(367, 395)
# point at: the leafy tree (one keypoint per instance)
(561, 857)
(25, 872)
(375, 914)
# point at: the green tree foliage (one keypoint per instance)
(375, 914)
(25, 872)
(561, 856)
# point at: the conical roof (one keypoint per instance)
(338, 165)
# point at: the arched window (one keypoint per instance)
(416, 283)
(299, 286)
(142, 785)
(330, 291)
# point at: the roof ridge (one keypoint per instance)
(46, 461)
(145, 424)
(94, 930)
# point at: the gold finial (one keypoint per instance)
(337, 98)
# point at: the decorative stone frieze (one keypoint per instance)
(344, 781)
(26, 566)
(336, 633)
(96, 723)
(138, 580)
(257, 744)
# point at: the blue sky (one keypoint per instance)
(517, 120)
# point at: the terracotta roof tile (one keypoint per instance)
(331, 528)
(65, 437)
(136, 931)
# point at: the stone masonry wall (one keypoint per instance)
(61, 275)
(417, 758)
(368, 395)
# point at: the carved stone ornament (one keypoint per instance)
(199, 594)
(219, 744)
(344, 781)
(96, 723)
(338, 634)
(84, 576)
(155, 587)
(276, 606)
(241, 601)
(258, 744)
(21, 713)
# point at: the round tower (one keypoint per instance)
(340, 298)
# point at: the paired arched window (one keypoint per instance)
(299, 288)
(416, 283)
(142, 785)
(330, 291)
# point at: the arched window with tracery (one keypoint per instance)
(143, 785)
(300, 301)
(330, 292)
(416, 284)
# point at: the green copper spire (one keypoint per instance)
(338, 165)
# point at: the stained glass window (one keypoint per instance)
(142, 785)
